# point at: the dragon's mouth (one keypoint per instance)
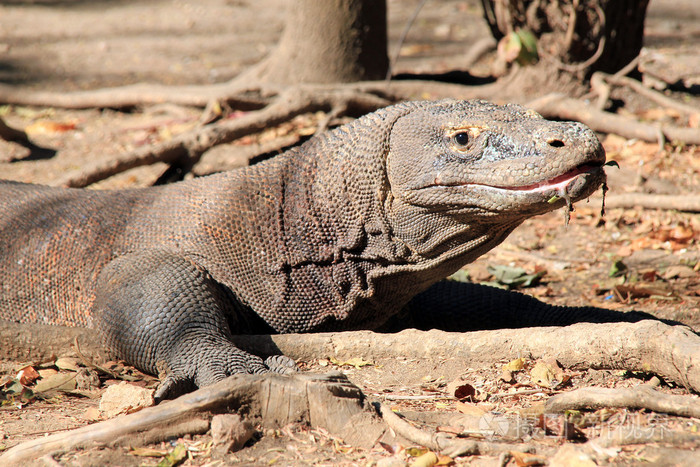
(556, 183)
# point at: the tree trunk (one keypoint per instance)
(575, 38)
(329, 41)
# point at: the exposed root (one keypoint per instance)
(625, 436)
(562, 107)
(441, 442)
(232, 156)
(639, 397)
(650, 94)
(328, 401)
(189, 146)
(685, 203)
(672, 352)
(136, 95)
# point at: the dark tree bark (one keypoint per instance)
(575, 38)
(329, 41)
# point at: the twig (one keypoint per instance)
(523, 392)
(402, 39)
(88, 363)
(639, 397)
(627, 69)
(422, 397)
(439, 442)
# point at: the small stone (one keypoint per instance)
(125, 398)
(230, 432)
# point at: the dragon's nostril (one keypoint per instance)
(556, 143)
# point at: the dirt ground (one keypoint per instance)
(66, 45)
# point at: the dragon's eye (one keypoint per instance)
(461, 138)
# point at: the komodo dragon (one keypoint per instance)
(340, 233)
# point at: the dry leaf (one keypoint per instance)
(27, 375)
(543, 375)
(515, 365)
(357, 362)
(469, 409)
(148, 452)
(425, 460)
(525, 459)
(43, 127)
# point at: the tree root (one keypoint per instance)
(328, 401)
(625, 436)
(232, 156)
(562, 107)
(672, 352)
(189, 146)
(639, 397)
(136, 95)
(642, 90)
(234, 93)
(441, 442)
(274, 105)
(685, 203)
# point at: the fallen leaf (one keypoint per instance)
(27, 375)
(174, 457)
(679, 271)
(515, 365)
(469, 409)
(416, 451)
(148, 452)
(357, 362)
(12, 392)
(43, 127)
(543, 374)
(635, 291)
(617, 269)
(525, 459)
(514, 277)
(57, 382)
(67, 363)
(464, 391)
(425, 460)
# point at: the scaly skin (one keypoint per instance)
(337, 234)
